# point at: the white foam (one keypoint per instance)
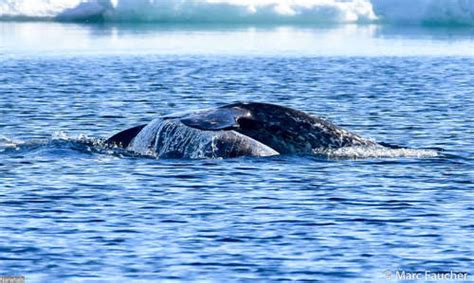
(365, 152)
(9, 143)
(160, 137)
(171, 139)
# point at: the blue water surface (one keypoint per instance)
(71, 212)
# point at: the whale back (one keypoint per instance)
(239, 129)
(284, 129)
(213, 119)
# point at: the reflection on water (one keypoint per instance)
(337, 40)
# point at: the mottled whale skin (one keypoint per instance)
(238, 129)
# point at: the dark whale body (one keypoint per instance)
(239, 129)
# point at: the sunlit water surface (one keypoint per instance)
(71, 212)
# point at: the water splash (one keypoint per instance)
(166, 139)
(59, 141)
(9, 143)
(368, 152)
(169, 138)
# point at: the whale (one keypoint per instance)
(237, 129)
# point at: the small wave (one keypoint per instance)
(86, 144)
(7, 142)
(426, 12)
(14, 145)
(58, 141)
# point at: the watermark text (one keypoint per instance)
(426, 275)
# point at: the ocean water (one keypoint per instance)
(73, 211)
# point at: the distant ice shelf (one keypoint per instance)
(399, 12)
